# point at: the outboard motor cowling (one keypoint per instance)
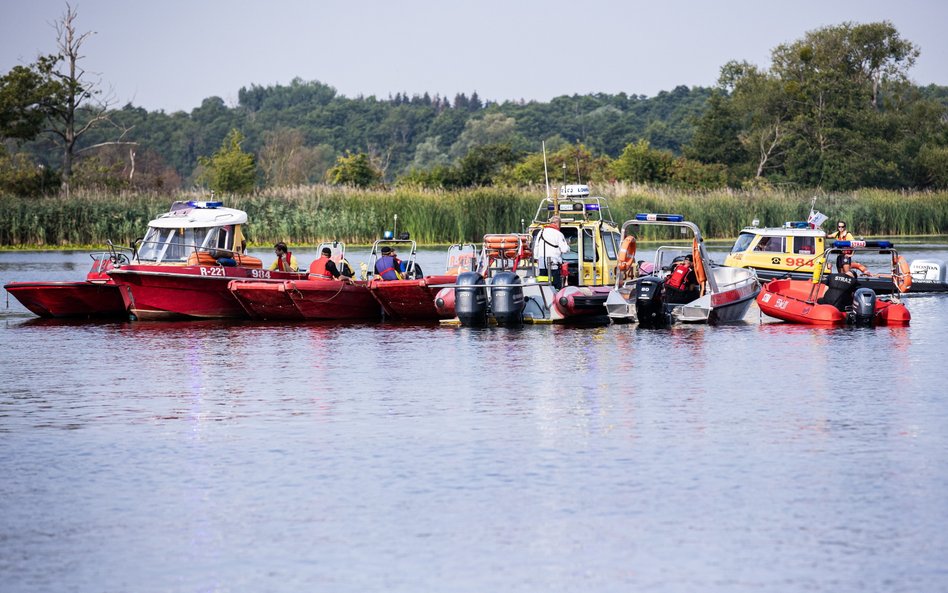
(650, 302)
(506, 299)
(470, 299)
(864, 306)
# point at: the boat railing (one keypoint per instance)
(725, 286)
(504, 252)
(575, 208)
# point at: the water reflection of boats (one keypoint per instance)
(506, 287)
(791, 251)
(412, 296)
(721, 295)
(310, 299)
(186, 260)
(839, 299)
(96, 296)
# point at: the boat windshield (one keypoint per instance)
(611, 240)
(176, 245)
(743, 242)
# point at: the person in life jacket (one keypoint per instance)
(285, 261)
(548, 249)
(841, 234)
(387, 266)
(682, 284)
(324, 267)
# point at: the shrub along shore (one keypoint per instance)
(311, 214)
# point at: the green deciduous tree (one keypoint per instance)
(354, 169)
(833, 111)
(26, 93)
(640, 163)
(230, 169)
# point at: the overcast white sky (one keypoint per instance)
(172, 54)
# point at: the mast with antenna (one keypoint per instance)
(546, 174)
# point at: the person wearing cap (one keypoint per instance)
(387, 266)
(324, 268)
(285, 261)
(548, 249)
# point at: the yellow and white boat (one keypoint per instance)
(791, 250)
(797, 250)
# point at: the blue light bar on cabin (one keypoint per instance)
(592, 207)
(204, 204)
(660, 217)
(871, 244)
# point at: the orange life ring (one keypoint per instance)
(510, 246)
(902, 276)
(502, 242)
(627, 253)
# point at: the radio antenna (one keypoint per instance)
(546, 174)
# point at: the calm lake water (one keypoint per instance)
(240, 456)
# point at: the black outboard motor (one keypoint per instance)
(506, 299)
(470, 300)
(650, 303)
(864, 306)
(839, 291)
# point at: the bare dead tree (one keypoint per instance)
(77, 93)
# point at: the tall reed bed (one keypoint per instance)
(309, 214)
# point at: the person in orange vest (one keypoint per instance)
(324, 267)
(285, 261)
(682, 283)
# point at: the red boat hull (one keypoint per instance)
(410, 299)
(306, 299)
(576, 302)
(157, 292)
(795, 301)
(69, 299)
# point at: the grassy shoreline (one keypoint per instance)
(307, 215)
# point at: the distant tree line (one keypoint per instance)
(835, 110)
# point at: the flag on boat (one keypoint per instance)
(815, 219)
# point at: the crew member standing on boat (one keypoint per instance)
(285, 261)
(324, 268)
(841, 233)
(387, 266)
(548, 249)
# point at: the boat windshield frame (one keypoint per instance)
(662, 249)
(591, 208)
(177, 244)
(461, 257)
